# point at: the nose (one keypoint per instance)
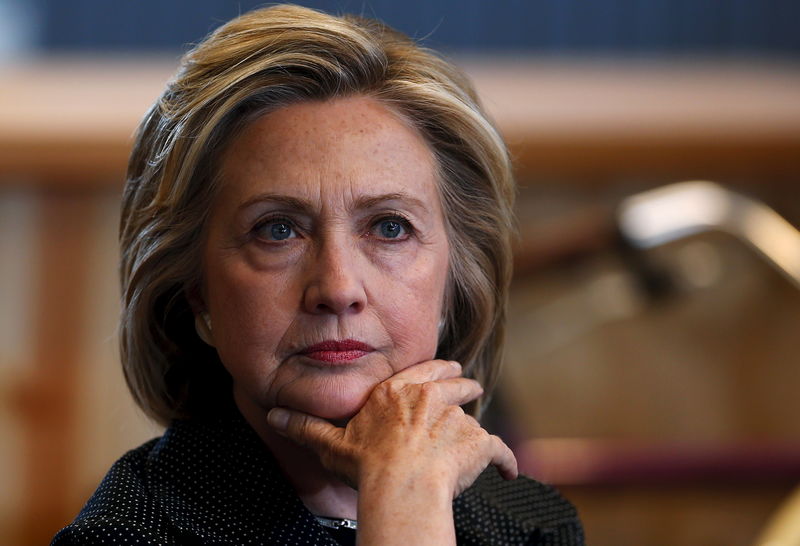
(335, 282)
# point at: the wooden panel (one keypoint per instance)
(46, 400)
(70, 121)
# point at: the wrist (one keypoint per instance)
(429, 482)
(416, 505)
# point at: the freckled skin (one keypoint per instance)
(335, 277)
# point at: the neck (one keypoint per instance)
(321, 492)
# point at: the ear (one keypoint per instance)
(194, 296)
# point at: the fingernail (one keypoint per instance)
(278, 418)
(455, 364)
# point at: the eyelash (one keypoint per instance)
(408, 228)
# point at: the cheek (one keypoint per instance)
(411, 314)
(248, 313)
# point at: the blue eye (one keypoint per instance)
(280, 231)
(274, 230)
(391, 229)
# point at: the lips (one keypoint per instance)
(333, 351)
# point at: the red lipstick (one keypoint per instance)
(337, 351)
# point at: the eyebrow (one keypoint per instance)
(366, 202)
(289, 202)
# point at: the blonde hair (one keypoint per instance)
(256, 63)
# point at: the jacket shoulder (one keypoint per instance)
(103, 529)
(521, 511)
(119, 506)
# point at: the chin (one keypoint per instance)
(333, 400)
(334, 410)
(338, 414)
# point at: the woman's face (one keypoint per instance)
(326, 258)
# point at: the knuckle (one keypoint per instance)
(472, 421)
(431, 388)
(484, 437)
(391, 387)
(498, 442)
(430, 391)
(454, 412)
(388, 390)
(300, 427)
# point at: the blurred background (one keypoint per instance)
(654, 354)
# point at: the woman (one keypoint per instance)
(315, 259)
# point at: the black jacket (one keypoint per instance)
(216, 483)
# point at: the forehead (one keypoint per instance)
(355, 144)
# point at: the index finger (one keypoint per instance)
(428, 370)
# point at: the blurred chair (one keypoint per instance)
(663, 215)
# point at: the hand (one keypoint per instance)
(411, 431)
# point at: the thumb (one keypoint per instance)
(304, 429)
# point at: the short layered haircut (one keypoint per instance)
(255, 64)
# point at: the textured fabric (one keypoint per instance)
(216, 483)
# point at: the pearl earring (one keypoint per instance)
(202, 324)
